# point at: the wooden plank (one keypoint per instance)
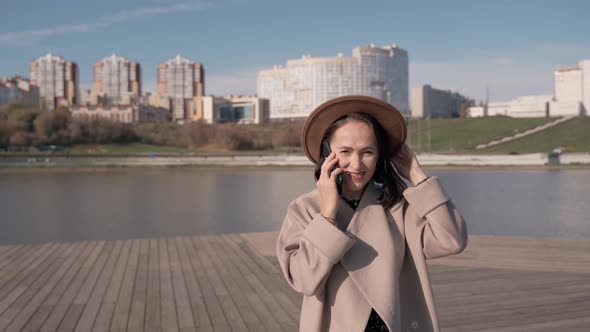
(4, 248)
(6, 257)
(74, 313)
(138, 304)
(183, 306)
(90, 312)
(25, 259)
(71, 288)
(519, 296)
(284, 294)
(222, 263)
(46, 288)
(168, 305)
(502, 322)
(264, 265)
(195, 296)
(280, 299)
(230, 310)
(540, 282)
(123, 305)
(216, 314)
(223, 283)
(152, 310)
(11, 280)
(254, 306)
(534, 254)
(264, 243)
(52, 259)
(580, 324)
(105, 314)
(262, 284)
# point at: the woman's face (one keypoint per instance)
(355, 145)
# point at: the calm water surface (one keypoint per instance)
(122, 204)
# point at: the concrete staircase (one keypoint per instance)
(525, 133)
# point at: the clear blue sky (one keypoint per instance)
(512, 47)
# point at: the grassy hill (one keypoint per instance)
(462, 135)
(571, 136)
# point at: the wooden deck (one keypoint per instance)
(232, 283)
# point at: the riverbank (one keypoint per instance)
(105, 169)
(430, 160)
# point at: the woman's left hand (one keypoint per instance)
(407, 165)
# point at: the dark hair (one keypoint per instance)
(386, 176)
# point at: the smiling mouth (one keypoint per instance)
(356, 175)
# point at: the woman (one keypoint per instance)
(359, 258)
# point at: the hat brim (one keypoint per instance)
(324, 115)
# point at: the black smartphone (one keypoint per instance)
(326, 152)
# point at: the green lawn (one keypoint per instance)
(572, 136)
(132, 148)
(462, 135)
(437, 136)
(137, 148)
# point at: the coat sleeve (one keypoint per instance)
(442, 228)
(307, 254)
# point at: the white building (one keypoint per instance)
(572, 90)
(58, 81)
(116, 80)
(18, 90)
(295, 90)
(521, 107)
(121, 113)
(572, 97)
(239, 109)
(183, 82)
(86, 97)
(585, 68)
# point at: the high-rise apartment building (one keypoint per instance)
(296, 89)
(572, 89)
(183, 82)
(116, 80)
(58, 81)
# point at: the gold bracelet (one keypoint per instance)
(422, 181)
(332, 220)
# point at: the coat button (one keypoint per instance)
(414, 325)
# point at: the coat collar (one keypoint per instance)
(377, 256)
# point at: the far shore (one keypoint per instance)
(131, 168)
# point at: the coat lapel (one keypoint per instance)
(377, 256)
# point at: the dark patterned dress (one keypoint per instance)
(375, 323)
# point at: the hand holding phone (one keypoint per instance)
(329, 184)
(326, 151)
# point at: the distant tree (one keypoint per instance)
(13, 106)
(21, 138)
(286, 135)
(52, 127)
(198, 133)
(4, 133)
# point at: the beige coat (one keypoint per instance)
(373, 259)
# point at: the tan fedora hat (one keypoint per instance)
(324, 115)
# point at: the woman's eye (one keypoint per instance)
(369, 152)
(345, 152)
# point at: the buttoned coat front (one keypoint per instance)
(372, 258)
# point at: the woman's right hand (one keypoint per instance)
(328, 189)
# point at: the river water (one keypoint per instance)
(129, 203)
